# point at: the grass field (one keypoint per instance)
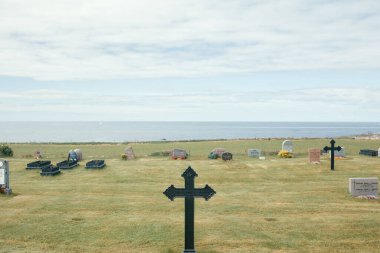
(275, 205)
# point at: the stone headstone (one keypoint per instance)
(128, 151)
(4, 177)
(378, 152)
(341, 153)
(79, 154)
(218, 151)
(314, 155)
(38, 154)
(226, 156)
(254, 152)
(364, 186)
(287, 146)
(179, 154)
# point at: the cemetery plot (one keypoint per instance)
(95, 164)
(368, 152)
(64, 165)
(50, 171)
(37, 165)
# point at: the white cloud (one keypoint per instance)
(96, 39)
(359, 104)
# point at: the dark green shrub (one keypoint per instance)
(5, 150)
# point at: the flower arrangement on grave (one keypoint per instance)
(285, 154)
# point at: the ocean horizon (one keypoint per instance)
(135, 131)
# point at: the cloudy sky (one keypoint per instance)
(120, 60)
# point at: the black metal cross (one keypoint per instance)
(332, 148)
(189, 193)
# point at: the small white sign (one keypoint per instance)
(2, 176)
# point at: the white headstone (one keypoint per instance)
(378, 152)
(287, 146)
(364, 186)
(2, 176)
(341, 153)
(254, 152)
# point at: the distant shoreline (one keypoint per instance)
(126, 132)
(376, 137)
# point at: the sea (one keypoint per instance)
(66, 132)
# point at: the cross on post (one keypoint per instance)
(189, 193)
(332, 148)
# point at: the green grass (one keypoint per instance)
(275, 205)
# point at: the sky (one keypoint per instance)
(120, 60)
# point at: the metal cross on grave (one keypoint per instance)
(332, 148)
(189, 193)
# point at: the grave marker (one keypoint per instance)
(287, 146)
(340, 153)
(4, 177)
(378, 152)
(226, 156)
(314, 155)
(332, 148)
(128, 151)
(364, 187)
(189, 193)
(253, 152)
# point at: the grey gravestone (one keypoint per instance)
(314, 155)
(226, 156)
(287, 146)
(4, 177)
(378, 153)
(128, 151)
(364, 186)
(254, 152)
(339, 153)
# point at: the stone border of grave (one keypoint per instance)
(66, 164)
(50, 170)
(95, 164)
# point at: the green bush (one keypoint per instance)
(5, 150)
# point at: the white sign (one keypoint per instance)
(2, 176)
